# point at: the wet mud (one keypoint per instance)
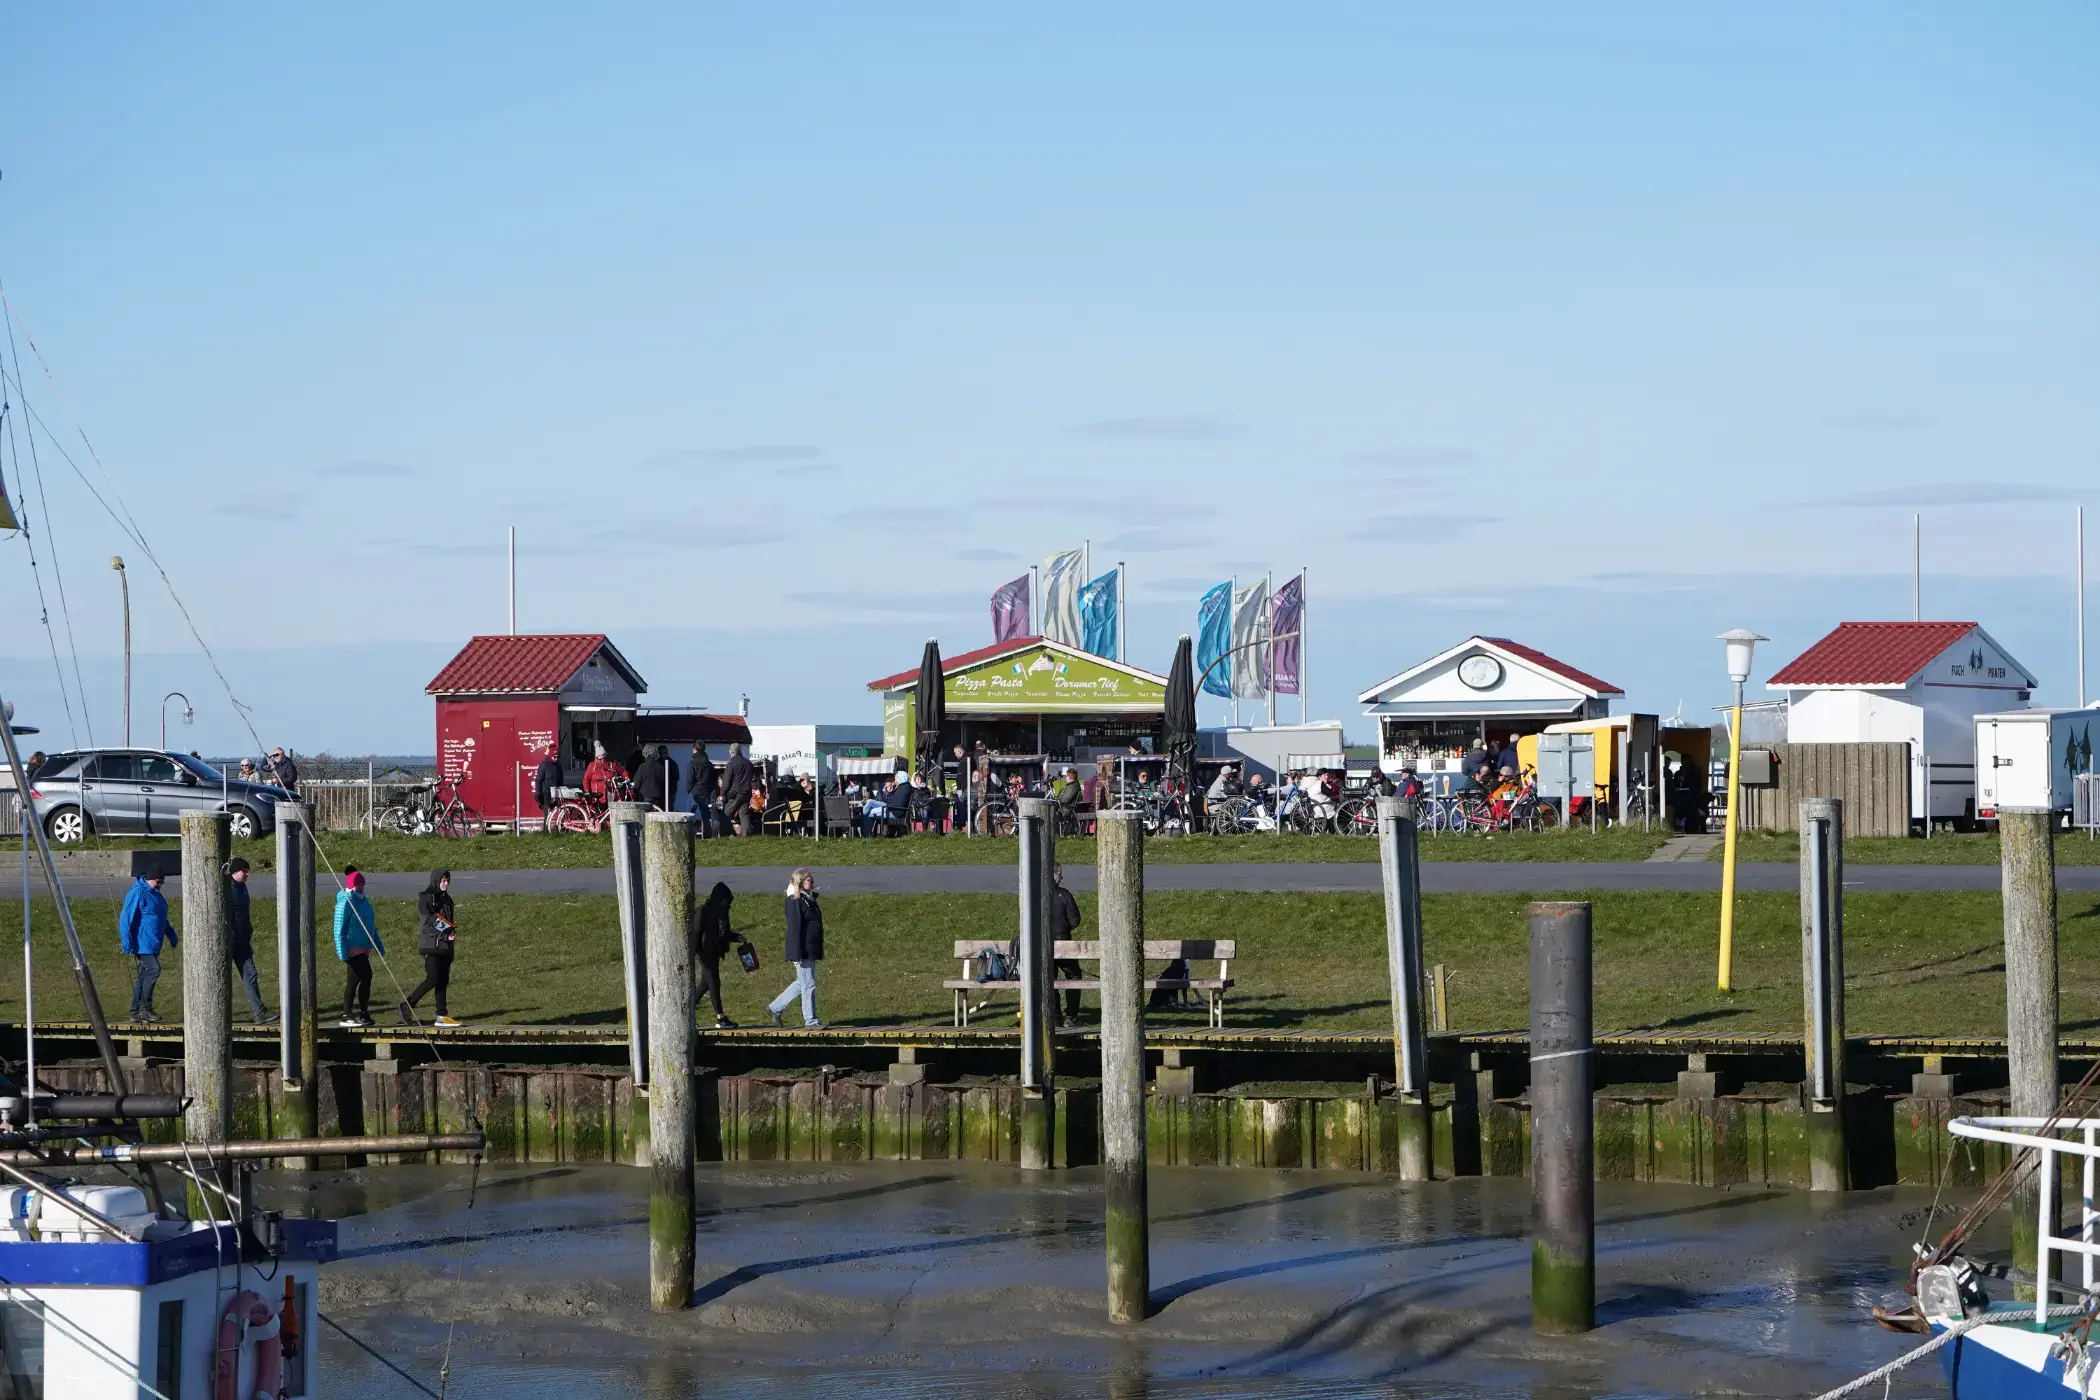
(930, 1279)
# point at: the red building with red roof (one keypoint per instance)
(502, 700)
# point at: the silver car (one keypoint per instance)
(142, 792)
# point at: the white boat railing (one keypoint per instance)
(2027, 1133)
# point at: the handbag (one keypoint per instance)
(747, 956)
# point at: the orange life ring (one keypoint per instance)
(249, 1321)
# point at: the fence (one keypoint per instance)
(1873, 779)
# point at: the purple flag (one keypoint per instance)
(1010, 610)
(1287, 622)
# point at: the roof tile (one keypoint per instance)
(1871, 653)
(1559, 668)
(530, 664)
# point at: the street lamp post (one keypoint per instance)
(1741, 644)
(189, 715)
(116, 561)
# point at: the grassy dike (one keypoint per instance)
(1916, 963)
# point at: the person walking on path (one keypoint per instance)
(141, 928)
(805, 948)
(1065, 920)
(737, 781)
(702, 783)
(240, 948)
(436, 935)
(545, 779)
(712, 937)
(356, 939)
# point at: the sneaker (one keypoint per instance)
(147, 1018)
(776, 1016)
(445, 1021)
(815, 1026)
(723, 1023)
(268, 1018)
(408, 1015)
(350, 1023)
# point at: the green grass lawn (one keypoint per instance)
(1974, 848)
(1916, 963)
(539, 852)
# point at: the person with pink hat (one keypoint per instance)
(356, 939)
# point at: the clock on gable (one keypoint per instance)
(1480, 672)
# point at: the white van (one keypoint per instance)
(2026, 758)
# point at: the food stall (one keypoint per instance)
(1031, 697)
(1483, 693)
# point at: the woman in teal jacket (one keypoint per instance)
(356, 939)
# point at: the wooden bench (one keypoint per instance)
(1085, 950)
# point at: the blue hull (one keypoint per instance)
(2003, 1363)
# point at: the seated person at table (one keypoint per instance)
(893, 803)
(1066, 791)
(1226, 784)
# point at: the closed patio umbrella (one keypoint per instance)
(1179, 718)
(933, 713)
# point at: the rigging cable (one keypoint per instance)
(29, 539)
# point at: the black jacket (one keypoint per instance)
(805, 929)
(736, 779)
(240, 944)
(433, 904)
(712, 935)
(283, 772)
(701, 784)
(655, 781)
(1064, 914)
(545, 779)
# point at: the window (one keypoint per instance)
(154, 768)
(22, 1340)
(167, 1350)
(115, 768)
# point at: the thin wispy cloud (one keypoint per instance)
(1416, 459)
(757, 454)
(986, 556)
(1150, 539)
(1954, 493)
(1160, 429)
(1404, 528)
(890, 604)
(366, 469)
(271, 505)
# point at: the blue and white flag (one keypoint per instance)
(1214, 639)
(1059, 617)
(1250, 641)
(1097, 614)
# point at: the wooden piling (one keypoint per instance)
(667, 890)
(297, 981)
(625, 821)
(1823, 990)
(1037, 829)
(1400, 873)
(1563, 1132)
(2027, 856)
(1119, 839)
(207, 993)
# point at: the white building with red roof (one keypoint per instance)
(1916, 683)
(1482, 693)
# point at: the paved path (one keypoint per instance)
(1438, 877)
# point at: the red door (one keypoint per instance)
(493, 789)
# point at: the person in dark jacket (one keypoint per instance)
(656, 779)
(712, 937)
(704, 784)
(240, 947)
(1065, 920)
(436, 934)
(546, 778)
(283, 771)
(805, 948)
(737, 777)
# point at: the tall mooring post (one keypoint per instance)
(1119, 839)
(207, 992)
(1400, 872)
(625, 820)
(1037, 826)
(1823, 989)
(667, 889)
(2027, 856)
(298, 1027)
(1563, 1137)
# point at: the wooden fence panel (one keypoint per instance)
(1873, 780)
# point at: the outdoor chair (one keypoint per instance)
(838, 815)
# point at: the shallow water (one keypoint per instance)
(937, 1279)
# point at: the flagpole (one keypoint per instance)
(1121, 583)
(1302, 687)
(1232, 615)
(1269, 602)
(1035, 588)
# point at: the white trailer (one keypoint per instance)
(2027, 758)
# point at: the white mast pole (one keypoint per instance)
(2081, 607)
(1232, 611)
(1302, 687)
(1269, 602)
(1916, 614)
(1122, 594)
(1035, 588)
(514, 580)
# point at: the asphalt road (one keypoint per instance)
(1438, 877)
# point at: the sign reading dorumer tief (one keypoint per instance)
(1041, 679)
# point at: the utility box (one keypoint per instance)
(1758, 769)
(1567, 768)
(2031, 758)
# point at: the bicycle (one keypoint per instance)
(1359, 817)
(585, 813)
(453, 817)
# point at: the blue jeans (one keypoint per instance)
(142, 984)
(804, 986)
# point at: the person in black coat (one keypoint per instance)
(805, 948)
(436, 935)
(704, 783)
(736, 786)
(240, 946)
(1064, 925)
(546, 778)
(656, 779)
(712, 937)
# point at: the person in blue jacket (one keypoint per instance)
(356, 939)
(143, 927)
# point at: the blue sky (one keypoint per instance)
(785, 334)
